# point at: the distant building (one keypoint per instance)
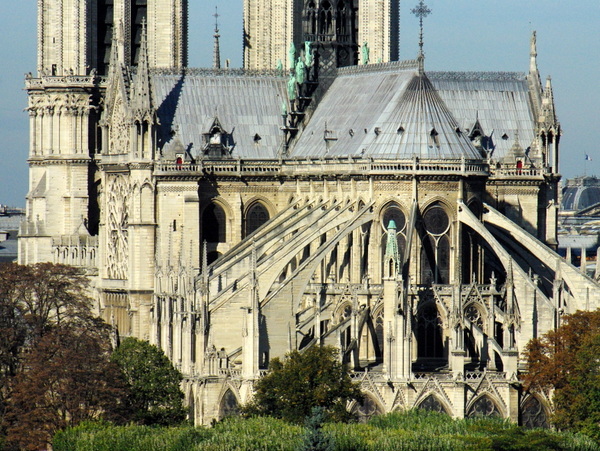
(579, 222)
(10, 220)
(407, 217)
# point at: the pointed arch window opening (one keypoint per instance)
(435, 251)
(105, 10)
(256, 216)
(214, 227)
(393, 212)
(484, 407)
(430, 341)
(139, 15)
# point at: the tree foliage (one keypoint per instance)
(54, 353)
(566, 360)
(154, 384)
(67, 377)
(314, 378)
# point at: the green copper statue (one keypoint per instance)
(365, 53)
(300, 71)
(292, 56)
(291, 87)
(308, 59)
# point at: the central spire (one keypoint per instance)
(421, 11)
(217, 49)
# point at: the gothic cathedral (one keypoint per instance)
(325, 194)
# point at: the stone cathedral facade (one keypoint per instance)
(406, 217)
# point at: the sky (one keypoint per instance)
(460, 35)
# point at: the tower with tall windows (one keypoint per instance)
(337, 29)
(403, 220)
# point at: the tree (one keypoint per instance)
(566, 360)
(314, 378)
(154, 384)
(67, 377)
(34, 300)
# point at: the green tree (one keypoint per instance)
(567, 360)
(155, 393)
(292, 387)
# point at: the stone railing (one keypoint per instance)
(76, 250)
(519, 172)
(320, 167)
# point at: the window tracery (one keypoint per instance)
(118, 223)
(534, 414)
(229, 405)
(432, 404)
(367, 409)
(435, 252)
(484, 407)
(256, 216)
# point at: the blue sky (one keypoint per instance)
(465, 35)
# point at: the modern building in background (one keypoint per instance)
(407, 217)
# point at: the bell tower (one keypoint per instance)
(338, 27)
(77, 39)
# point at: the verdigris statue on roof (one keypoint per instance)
(365, 53)
(300, 71)
(292, 56)
(291, 87)
(308, 59)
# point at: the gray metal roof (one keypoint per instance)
(500, 100)
(392, 113)
(246, 106)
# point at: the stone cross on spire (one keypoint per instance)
(421, 11)
(217, 49)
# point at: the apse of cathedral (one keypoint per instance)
(326, 194)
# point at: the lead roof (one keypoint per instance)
(382, 111)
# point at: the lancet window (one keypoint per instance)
(435, 251)
(429, 332)
(105, 34)
(392, 212)
(139, 12)
(214, 228)
(256, 216)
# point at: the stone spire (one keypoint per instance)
(142, 99)
(217, 49)
(534, 80)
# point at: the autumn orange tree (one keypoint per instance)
(567, 361)
(54, 354)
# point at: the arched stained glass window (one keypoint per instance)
(229, 405)
(367, 409)
(435, 252)
(256, 216)
(214, 228)
(484, 407)
(436, 220)
(432, 404)
(533, 414)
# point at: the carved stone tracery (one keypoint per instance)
(117, 203)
